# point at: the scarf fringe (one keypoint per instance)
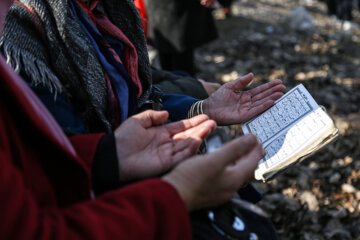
(37, 70)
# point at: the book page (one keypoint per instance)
(290, 108)
(291, 141)
(287, 127)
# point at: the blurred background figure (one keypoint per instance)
(179, 82)
(342, 9)
(226, 7)
(176, 28)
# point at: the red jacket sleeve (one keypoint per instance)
(150, 209)
(98, 152)
(86, 146)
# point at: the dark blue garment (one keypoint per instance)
(177, 105)
(59, 107)
(120, 81)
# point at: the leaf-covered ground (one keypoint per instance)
(320, 197)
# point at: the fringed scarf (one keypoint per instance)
(43, 39)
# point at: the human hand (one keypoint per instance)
(229, 105)
(145, 149)
(212, 179)
(207, 3)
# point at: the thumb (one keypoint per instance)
(151, 118)
(233, 150)
(244, 169)
(241, 82)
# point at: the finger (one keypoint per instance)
(267, 92)
(240, 82)
(178, 151)
(189, 143)
(245, 167)
(275, 96)
(265, 86)
(256, 110)
(200, 131)
(183, 125)
(184, 149)
(232, 151)
(151, 118)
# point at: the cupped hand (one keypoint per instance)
(212, 179)
(230, 105)
(145, 148)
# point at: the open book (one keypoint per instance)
(291, 130)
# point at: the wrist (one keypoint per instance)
(105, 168)
(196, 109)
(206, 107)
(183, 192)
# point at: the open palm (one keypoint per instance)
(230, 105)
(146, 149)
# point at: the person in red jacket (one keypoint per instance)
(45, 177)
